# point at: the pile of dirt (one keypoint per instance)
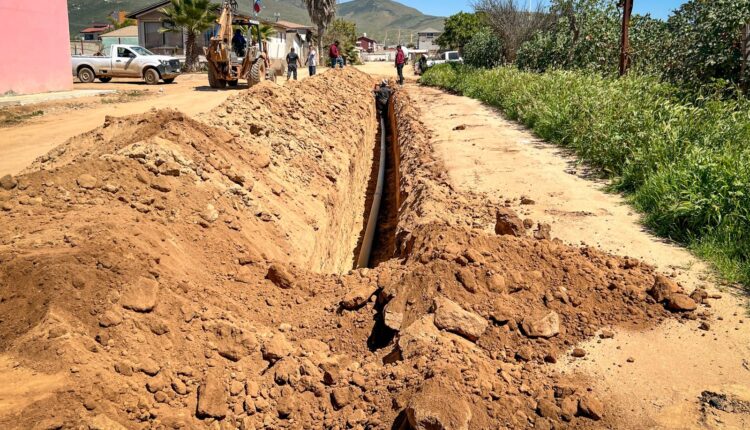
(182, 273)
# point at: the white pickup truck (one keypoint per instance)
(126, 61)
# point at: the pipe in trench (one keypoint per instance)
(372, 222)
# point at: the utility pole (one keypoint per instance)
(627, 6)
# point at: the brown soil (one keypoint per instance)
(167, 272)
(650, 378)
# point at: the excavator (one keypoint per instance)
(224, 67)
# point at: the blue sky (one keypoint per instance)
(657, 8)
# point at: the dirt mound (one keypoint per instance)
(182, 273)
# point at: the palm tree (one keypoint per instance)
(194, 17)
(321, 13)
(264, 32)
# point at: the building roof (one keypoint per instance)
(94, 30)
(291, 25)
(147, 9)
(367, 38)
(429, 30)
(129, 31)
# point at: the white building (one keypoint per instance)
(428, 40)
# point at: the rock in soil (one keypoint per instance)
(546, 326)
(435, 407)
(212, 397)
(508, 223)
(681, 303)
(451, 317)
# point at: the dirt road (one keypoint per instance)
(21, 144)
(672, 364)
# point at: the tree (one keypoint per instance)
(512, 23)
(483, 50)
(321, 14)
(585, 34)
(459, 30)
(342, 30)
(193, 17)
(707, 41)
(264, 32)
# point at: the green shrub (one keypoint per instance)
(483, 50)
(684, 163)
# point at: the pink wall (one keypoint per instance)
(35, 46)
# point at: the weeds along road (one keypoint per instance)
(672, 364)
(21, 144)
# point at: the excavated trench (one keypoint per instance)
(199, 272)
(377, 242)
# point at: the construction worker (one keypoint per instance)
(239, 43)
(312, 61)
(292, 60)
(400, 61)
(382, 94)
(335, 55)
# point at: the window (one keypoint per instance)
(453, 56)
(125, 53)
(141, 51)
(153, 38)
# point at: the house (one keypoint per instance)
(427, 39)
(149, 18)
(367, 44)
(151, 37)
(95, 31)
(124, 36)
(288, 35)
(43, 65)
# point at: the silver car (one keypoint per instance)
(126, 61)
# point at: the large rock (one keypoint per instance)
(212, 397)
(663, 288)
(103, 422)
(276, 347)
(437, 407)
(86, 181)
(546, 326)
(8, 182)
(280, 276)
(508, 223)
(418, 337)
(451, 317)
(681, 303)
(590, 406)
(358, 296)
(141, 295)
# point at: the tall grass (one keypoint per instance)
(684, 163)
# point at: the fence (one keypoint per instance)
(85, 47)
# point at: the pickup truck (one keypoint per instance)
(445, 57)
(126, 61)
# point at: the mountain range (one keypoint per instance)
(380, 19)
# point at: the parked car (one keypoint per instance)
(442, 58)
(126, 61)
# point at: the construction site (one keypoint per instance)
(232, 252)
(168, 271)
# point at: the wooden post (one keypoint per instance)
(625, 36)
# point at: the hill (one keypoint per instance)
(374, 17)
